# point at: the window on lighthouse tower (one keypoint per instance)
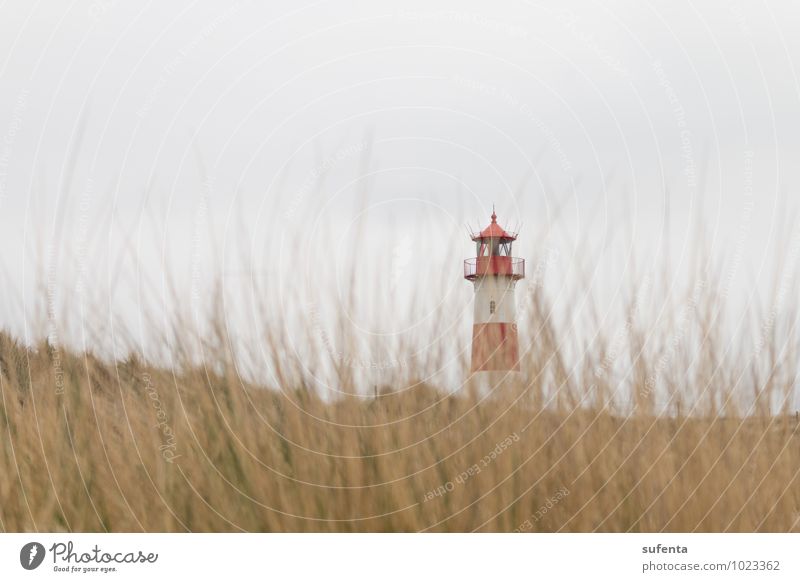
(492, 305)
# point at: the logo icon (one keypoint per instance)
(31, 555)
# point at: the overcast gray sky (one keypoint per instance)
(153, 134)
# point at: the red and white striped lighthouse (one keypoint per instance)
(494, 272)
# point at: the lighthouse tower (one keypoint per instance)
(494, 272)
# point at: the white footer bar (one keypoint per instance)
(401, 557)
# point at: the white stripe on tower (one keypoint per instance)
(494, 331)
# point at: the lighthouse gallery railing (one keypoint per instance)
(495, 265)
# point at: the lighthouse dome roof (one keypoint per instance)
(494, 230)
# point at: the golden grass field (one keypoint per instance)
(95, 445)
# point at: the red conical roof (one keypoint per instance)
(494, 230)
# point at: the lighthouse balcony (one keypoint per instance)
(494, 265)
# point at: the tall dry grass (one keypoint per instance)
(658, 422)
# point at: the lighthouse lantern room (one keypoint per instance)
(494, 273)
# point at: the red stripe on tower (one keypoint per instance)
(494, 273)
(495, 347)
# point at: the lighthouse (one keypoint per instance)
(494, 272)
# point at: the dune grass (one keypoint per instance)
(662, 426)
